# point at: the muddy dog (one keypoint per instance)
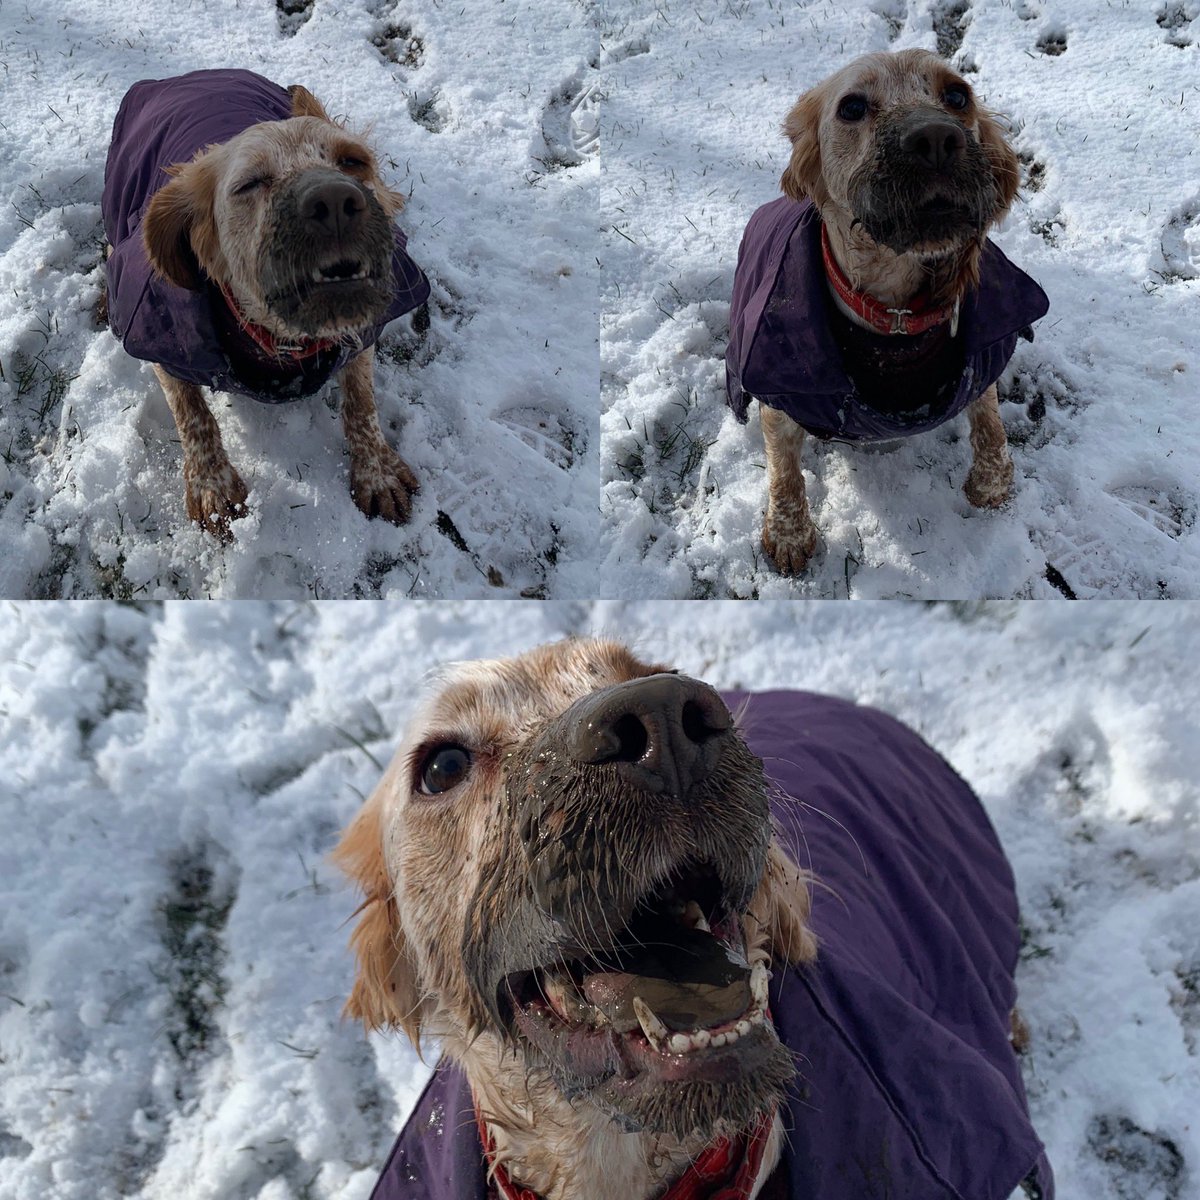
(252, 250)
(868, 303)
(579, 879)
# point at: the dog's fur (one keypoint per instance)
(429, 952)
(226, 213)
(854, 174)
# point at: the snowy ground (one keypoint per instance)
(485, 114)
(172, 939)
(1101, 410)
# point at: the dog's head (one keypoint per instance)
(292, 216)
(897, 144)
(572, 852)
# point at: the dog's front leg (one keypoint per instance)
(789, 536)
(380, 480)
(213, 491)
(989, 482)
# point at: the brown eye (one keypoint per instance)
(445, 767)
(955, 98)
(852, 108)
(350, 163)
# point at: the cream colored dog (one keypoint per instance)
(521, 888)
(272, 266)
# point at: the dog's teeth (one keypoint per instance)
(759, 978)
(655, 1031)
(700, 1039)
(743, 1028)
(718, 1039)
(680, 1043)
(693, 914)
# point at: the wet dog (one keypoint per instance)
(576, 879)
(868, 304)
(253, 251)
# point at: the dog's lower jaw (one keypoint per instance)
(568, 1149)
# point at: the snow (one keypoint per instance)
(173, 940)
(485, 117)
(1100, 410)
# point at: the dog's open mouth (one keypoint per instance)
(674, 996)
(344, 270)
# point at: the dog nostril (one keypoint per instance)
(320, 211)
(632, 740)
(695, 723)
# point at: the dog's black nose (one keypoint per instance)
(937, 142)
(661, 731)
(332, 207)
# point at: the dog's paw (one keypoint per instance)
(214, 498)
(383, 484)
(790, 540)
(989, 485)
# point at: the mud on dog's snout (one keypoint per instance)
(330, 205)
(660, 732)
(932, 140)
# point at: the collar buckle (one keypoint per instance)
(898, 315)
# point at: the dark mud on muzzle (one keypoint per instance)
(318, 281)
(903, 205)
(587, 892)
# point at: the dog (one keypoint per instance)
(868, 303)
(252, 250)
(579, 878)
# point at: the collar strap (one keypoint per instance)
(267, 343)
(725, 1170)
(878, 315)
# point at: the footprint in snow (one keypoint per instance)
(571, 123)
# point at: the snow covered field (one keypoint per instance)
(1101, 409)
(172, 939)
(485, 115)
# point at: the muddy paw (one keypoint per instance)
(990, 485)
(383, 486)
(213, 499)
(790, 541)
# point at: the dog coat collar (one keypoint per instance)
(725, 1170)
(881, 317)
(265, 341)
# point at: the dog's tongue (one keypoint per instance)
(687, 977)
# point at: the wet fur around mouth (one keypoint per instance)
(289, 257)
(899, 206)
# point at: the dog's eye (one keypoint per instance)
(350, 163)
(956, 98)
(444, 767)
(852, 108)
(250, 185)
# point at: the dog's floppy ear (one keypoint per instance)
(385, 992)
(802, 176)
(305, 104)
(1006, 169)
(179, 231)
(780, 910)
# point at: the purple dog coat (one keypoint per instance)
(782, 350)
(908, 1087)
(166, 121)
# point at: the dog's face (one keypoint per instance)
(572, 852)
(897, 145)
(291, 215)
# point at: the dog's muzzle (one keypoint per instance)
(607, 937)
(326, 264)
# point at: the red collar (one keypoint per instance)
(266, 341)
(878, 315)
(725, 1170)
